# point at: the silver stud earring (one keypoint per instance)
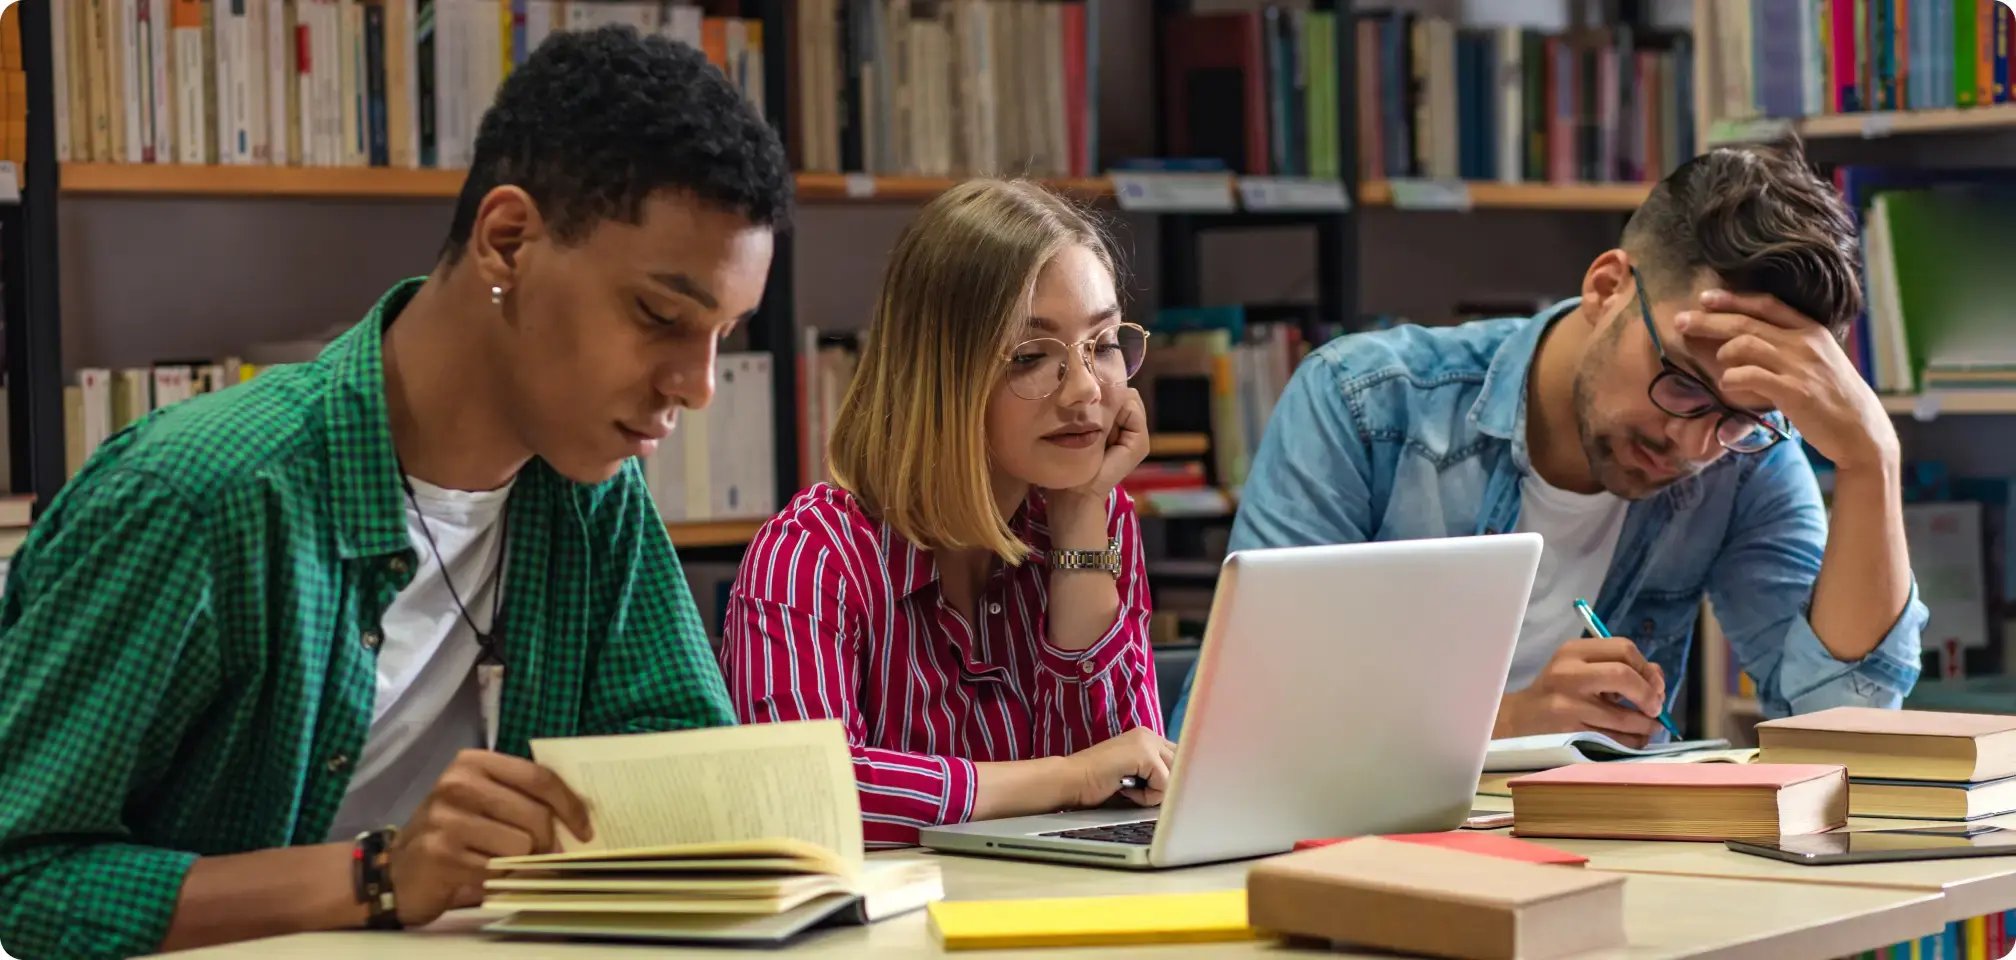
(497, 295)
(678, 379)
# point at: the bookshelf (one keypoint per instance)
(1179, 444)
(1756, 89)
(172, 180)
(1493, 195)
(714, 533)
(1987, 402)
(1872, 125)
(392, 183)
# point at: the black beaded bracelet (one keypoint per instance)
(372, 860)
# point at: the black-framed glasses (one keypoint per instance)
(1036, 368)
(1680, 394)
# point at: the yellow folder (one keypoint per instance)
(1211, 917)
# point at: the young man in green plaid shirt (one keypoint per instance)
(265, 618)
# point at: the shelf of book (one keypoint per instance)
(1870, 124)
(1953, 402)
(1495, 195)
(714, 533)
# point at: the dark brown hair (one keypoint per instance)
(1763, 221)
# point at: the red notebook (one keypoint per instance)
(1471, 841)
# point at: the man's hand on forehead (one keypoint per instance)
(1770, 350)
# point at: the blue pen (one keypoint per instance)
(1596, 627)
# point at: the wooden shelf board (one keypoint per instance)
(1955, 402)
(150, 179)
(1492, 195)
(1894, 123)
(167, 180)
(828, 187)
(714, 533)
(138, 179)
(1179, 444)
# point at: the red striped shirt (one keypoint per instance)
(835, 616)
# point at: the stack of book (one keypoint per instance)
(1914, 764)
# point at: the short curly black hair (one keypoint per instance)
(595, 121)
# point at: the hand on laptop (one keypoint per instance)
(485, 805)
(1140, 752)
(1580, 688)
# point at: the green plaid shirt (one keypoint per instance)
(184, 667)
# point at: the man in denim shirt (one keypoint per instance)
(1645, 429)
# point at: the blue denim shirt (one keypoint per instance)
(1420, 432)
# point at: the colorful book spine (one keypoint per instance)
(2002, 23)
(1844, 60)
(1966, 24)
(1984, 52)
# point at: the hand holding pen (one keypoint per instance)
(1585, 686)
(1597, 629)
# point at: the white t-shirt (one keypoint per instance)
(428, 707)
(1580, 530)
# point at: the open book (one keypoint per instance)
(748, 834)
(1549, 750)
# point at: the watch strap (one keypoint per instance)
(371, 862)
(1107, 559)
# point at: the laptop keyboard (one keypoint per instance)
(1140, 832)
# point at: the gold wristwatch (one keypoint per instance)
(1107, 559)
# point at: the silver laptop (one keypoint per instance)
(1341, 691)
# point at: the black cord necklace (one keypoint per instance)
(492, 641)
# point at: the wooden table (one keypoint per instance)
(1666, 918)
(1971, 887)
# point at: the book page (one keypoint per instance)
(719, 785)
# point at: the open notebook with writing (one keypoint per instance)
(735, 834)
(1549, 750)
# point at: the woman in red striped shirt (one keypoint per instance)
(968, 595)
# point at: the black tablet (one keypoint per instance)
(1940, 842)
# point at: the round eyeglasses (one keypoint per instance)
(1681, 394)
(1036, 368)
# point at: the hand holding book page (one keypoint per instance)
(724, 785)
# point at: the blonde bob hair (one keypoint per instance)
(911, 440)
